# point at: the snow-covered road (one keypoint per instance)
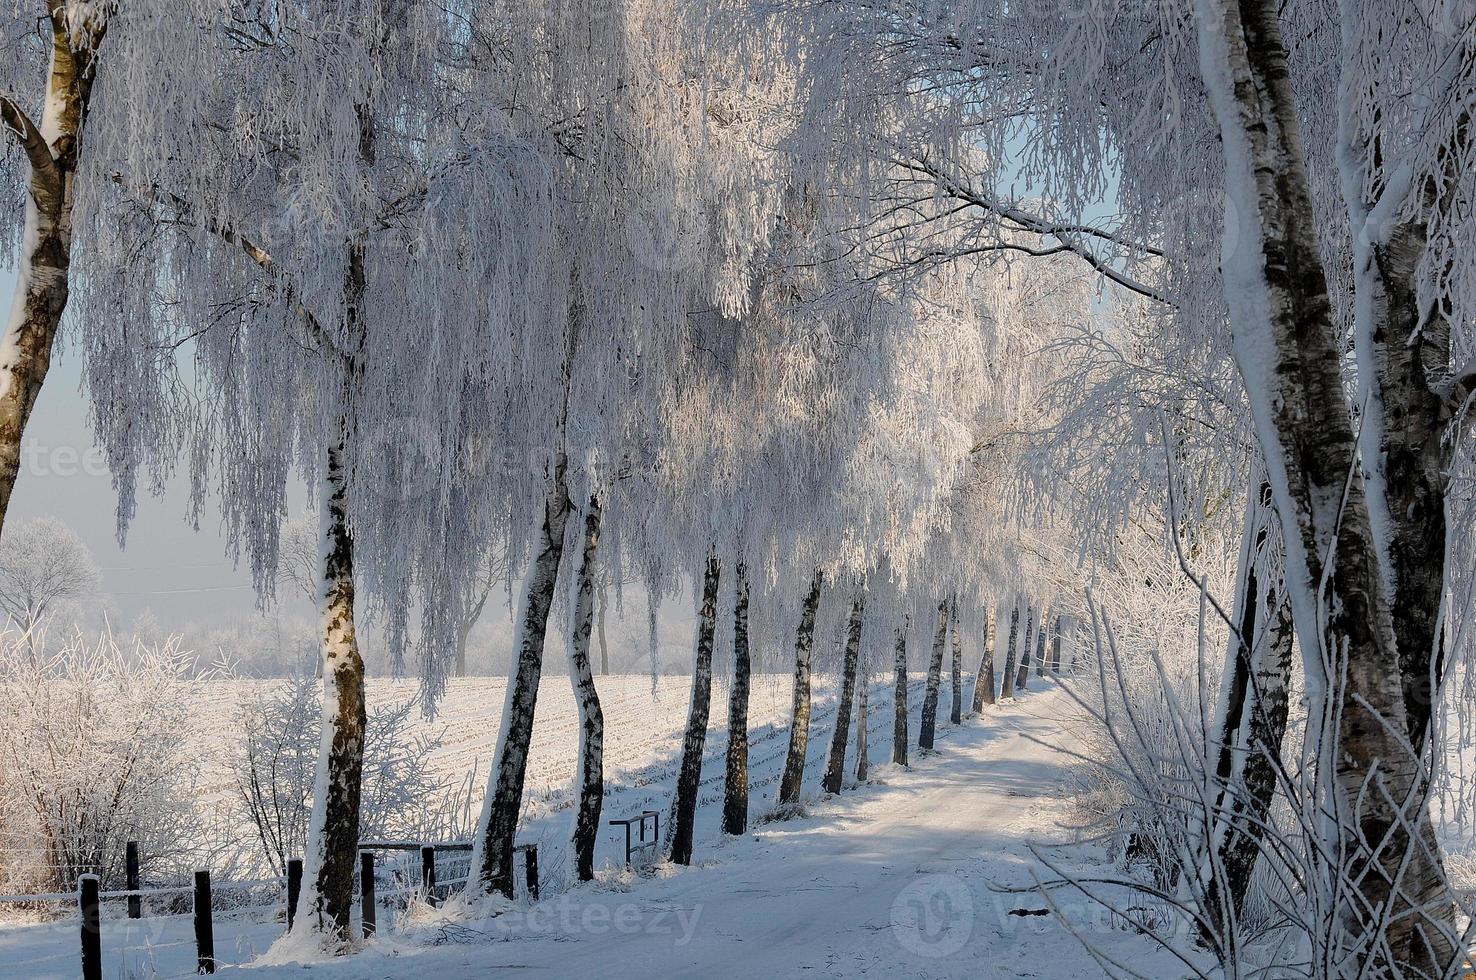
(893, 879)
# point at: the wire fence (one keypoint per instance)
(411, 872)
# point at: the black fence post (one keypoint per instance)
(204, 928)
(135, 902)
(366, 893)
(91, 928)
(530, 871)
(294, 889)
(428, 872)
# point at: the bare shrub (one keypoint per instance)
(92, 755)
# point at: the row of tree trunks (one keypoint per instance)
(984, 679)
(53, 149)
(591, 774)
(1007, 688)
(899, 697)
(935, 677)
(492, 855)
(835, 768)
(1399, 916)
(955, 713)
(689, 779)
(799, 727)
(735, 780)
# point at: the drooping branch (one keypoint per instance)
(43, 164)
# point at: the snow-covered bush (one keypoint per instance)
(278, 750)
(92, 755)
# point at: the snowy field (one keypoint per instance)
(817, 890)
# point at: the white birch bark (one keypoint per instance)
(590, 778)
(689, 778)
(955, 713)
(799, 725)
(327, 896)
(899, 697)
(1397, 915)
(735, 777)
(492, 847)
(53, 149)
(835, 768)
(984, 679)
(1007, 688)
(929, 724)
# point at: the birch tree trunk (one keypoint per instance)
(1411, 397)
(492, 854)
(604, 604)
(591, 774)
(863, 741)
(43, 281)
(955, 714)
(331, 857)
(735, 780)
(689, 780)
(1398, 915)
(835, 769)
(333, 840)
(1024, 673)
(899, 698)
(1007, 687)
(984, 679)
(799, 726)
(1040, 647)
(1041, 660)
(935, 678)
(1056, 646)
(1253, 718)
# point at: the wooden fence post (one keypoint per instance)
(87, 888)
(135, 902)
(428, 872)
(294, 889)
(204, 928)
(366, 893)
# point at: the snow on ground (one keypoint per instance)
(893, 879)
